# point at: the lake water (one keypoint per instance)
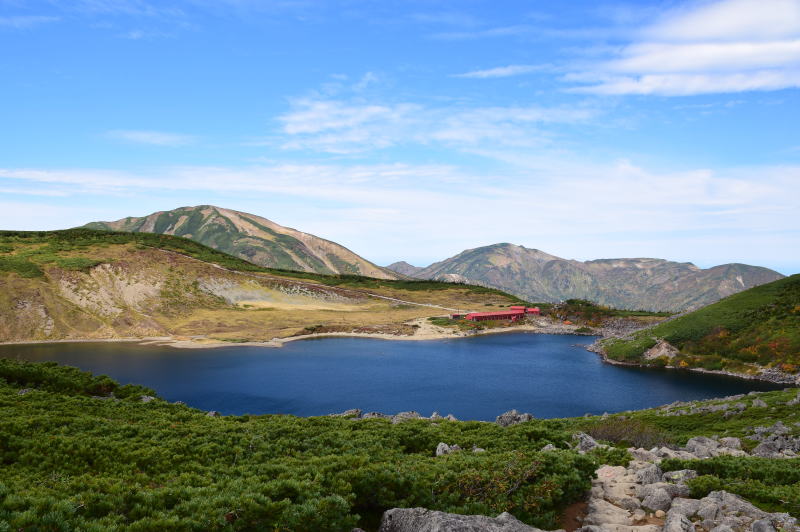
(474, 378)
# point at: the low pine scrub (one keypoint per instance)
(75, 457)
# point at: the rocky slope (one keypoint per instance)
(637, 283)
(251, 238)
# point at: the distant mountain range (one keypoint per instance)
(637, 283)
(251, 238)
(531, 274)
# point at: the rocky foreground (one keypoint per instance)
(639, 497)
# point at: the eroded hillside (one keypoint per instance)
(90, 284)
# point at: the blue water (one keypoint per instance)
(473, 378)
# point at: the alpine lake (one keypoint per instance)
(475, 378)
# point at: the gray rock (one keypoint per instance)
(708, 511)
(147, 398)
(423, 520)
(476, 449)
(450, 417)
(443, 449)
(643, 454)
(213, 413)
(673, 490)
(585, 443)
(701, 446)
(677, 523)
(435, 416)
(762, 525)
(24, 391)
(353, 412)
(404, 416)
(767, 449)
(178, 403)
(548, 447)
(731, 443)
(512, 417)
(758, 403)
(374, 415)
(659, 499)
(682, 506)
(649, 474)
(721, 528)
(602, 512)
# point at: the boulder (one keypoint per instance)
(661, 349)
(548, 447)
(147, 398)
(404, 416)
(24, 391)
(374, 415)
(758, 403)
(649, 474)
(682, 506)
(658, 499)
(601, 512)
(443, 449)
(512, 417)
(731, 443)
(353, 412)
(678, 523)
(767, 449)
(701, 446)
(213, 413)
(584, 443)
(763, 525)
(423, 520)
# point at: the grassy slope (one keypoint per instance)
(72, 461)
(759, 327)
(34, 266)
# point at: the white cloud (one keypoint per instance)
(155, 138)
(730, 20)
(562, 206)
(502, 72)
(342, 126)
(717, 47)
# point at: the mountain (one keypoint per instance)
(82, 283)
(639, 283)
(743, 333)
(404, 268)
(251, 238)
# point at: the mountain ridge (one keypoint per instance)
(252, 238)
(634, 283)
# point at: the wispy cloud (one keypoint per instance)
(155, 138)
(347, 126)
(24, 22)
(503, 72)
(642, 209)
(717, 47)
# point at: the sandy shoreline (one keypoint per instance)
(426, 331)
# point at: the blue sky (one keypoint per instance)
(411, 130)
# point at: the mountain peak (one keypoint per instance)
(253, 238)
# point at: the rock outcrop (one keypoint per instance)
(423, 520)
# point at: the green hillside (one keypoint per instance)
(757, 328)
